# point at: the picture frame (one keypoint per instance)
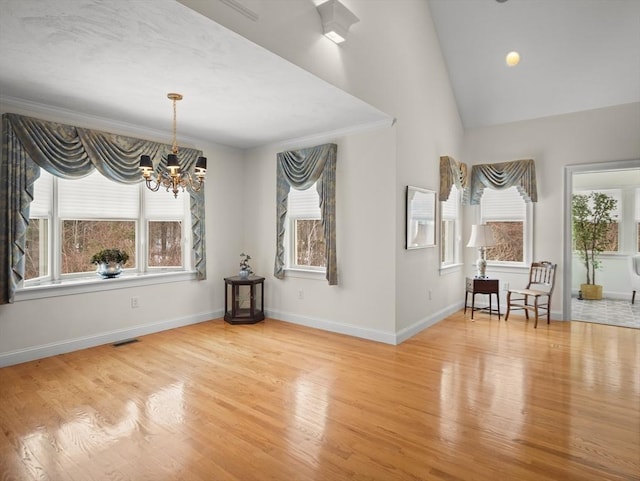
(421, 218)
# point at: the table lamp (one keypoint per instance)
(481, 237)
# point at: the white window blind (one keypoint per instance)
(505, 205)
(450, 207)
(163, 205)
(42, 188)
(96, 197)
(304, 203)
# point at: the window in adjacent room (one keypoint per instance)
(304, 237)
(511, 219)
(450, 229)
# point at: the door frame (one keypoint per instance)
(567, 254)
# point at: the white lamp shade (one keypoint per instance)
(481, 236)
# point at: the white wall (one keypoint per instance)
(391, 60)
(585, 137)
(39, 327)
(363, 303)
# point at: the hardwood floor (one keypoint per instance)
(463, 400)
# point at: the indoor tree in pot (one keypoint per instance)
(109, 262)
(591, 215)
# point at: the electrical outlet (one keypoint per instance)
(135, 303)
(505, 286)
(429, 294)
(300, 294)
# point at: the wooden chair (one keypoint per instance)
(634, 274)
(542, 277)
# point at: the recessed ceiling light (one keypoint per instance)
(512, 59)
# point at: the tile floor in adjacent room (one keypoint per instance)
(615, 312)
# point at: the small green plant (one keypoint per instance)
(106, 256)
(244, 263)
(591, 218)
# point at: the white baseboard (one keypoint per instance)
(428, 321)
(68, 345)
(332, 326)
(366, 333)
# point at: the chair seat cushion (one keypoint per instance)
(529, 292)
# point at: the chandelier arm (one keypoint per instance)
(152, 184)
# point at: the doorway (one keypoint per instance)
(624, 178)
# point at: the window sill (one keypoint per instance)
(81, 285)
(507, 268)
(450, 269)
(305, 273)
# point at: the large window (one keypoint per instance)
(450, 229)
(304, 237)
(70, 220)
(511, 220)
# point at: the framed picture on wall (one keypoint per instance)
(421, 218)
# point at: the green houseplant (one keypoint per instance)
(109, 262)
(591, 215)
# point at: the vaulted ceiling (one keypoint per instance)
(118, 60)
(575, 55)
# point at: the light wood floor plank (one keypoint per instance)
(463, 400)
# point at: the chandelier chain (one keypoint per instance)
(175, 140)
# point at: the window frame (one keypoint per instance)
(527, 234)
(456, 243)
(291, 268)
(290, 246)
(56, 283)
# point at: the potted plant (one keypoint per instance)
(109, 262)
(245, 268)
(591, 215)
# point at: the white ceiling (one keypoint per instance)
(118, 59)
(575, 55)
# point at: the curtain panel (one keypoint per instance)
(452, 173)
(300, 169)
(518, 173)
(29, 144)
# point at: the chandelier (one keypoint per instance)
(173, 178)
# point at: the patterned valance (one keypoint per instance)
(300, 169)
(29, 144)
(452, 172)
(518, 173)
